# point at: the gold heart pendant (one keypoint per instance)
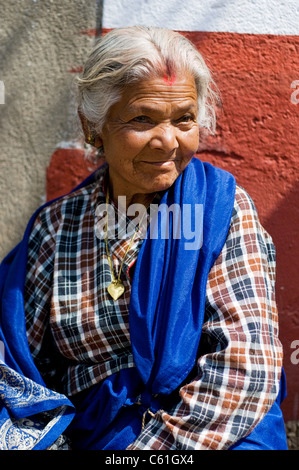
(116, 289)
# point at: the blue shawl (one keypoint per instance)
(166, 315)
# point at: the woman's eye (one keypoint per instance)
(186, 118)
(142, 119)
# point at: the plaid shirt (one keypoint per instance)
(78, 335)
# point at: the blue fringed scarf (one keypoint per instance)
(168, 300)
(166, 316)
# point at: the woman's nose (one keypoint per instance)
(164, 138)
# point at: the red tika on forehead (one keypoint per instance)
(169, 76)
(169, 79)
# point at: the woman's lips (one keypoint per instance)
(163, 164)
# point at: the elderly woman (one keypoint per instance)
(153, 332)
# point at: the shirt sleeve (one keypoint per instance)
(38, 293)
(239, 372)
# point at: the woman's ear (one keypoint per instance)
(91, 137)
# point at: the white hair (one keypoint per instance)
(126, 55)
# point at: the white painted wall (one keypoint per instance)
(235, 16)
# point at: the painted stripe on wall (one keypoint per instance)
(244, 16)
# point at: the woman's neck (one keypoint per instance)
(125, 198)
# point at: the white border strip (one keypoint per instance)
(278, 17)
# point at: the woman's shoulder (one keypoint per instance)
(71, 205)
(245, 218)
(243, 201)
(67, 204)
(244, 206)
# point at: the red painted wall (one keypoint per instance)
(257, 141)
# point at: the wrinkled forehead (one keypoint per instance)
(158, 94)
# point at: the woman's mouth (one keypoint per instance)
(162, 164)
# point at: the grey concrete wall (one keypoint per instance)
(40, 42)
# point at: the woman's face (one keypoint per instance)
(150, 136)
